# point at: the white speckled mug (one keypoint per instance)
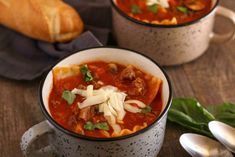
(64, 143)
(172, 44)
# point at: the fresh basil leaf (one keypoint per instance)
(89, 126)
(187, 122)
(190, 114)
(135, 9)
(147, 109)
(86, 73)
(102, 126)
(224, 113)
(192, 108)
(68, 96)
(182, 9)
(153, 8)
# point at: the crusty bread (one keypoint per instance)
(47, 20)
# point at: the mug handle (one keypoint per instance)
(33, 134)
(221, 38)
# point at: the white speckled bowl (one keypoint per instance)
(172, 44)
(144, 143)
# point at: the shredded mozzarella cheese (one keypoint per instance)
(137, 102)
(163, 3)
(111, 102)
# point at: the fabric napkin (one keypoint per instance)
(22, 58)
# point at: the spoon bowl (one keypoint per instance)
(201, 146)
(224, 133)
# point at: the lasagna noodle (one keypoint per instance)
(63, 72)
(155, 84)
(128, 131)
(172, 21)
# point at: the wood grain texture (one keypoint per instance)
(211, 79)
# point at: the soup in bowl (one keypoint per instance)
(165, 12)
(104, 102)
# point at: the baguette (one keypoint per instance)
(46, 20)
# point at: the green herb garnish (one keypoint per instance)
(190, 114)
(86, 73)
(153, 8)
(101, 126)
(68, 96)
(135, 9)
(89, 126)
(182, 9)
(147, 109)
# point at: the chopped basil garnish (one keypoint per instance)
(135, 9)
(153, 8)
(86, 73)
(89, 126)
(182, 9)
(147, 109)
(101, 126)
(68, 96)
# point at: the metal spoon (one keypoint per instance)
(201, 146)
(224, 133)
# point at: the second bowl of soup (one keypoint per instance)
(169, 31)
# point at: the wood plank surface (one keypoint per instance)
(211, 79)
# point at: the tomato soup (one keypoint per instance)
(101, 99)
(165, 12)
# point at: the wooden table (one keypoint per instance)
(211, 79)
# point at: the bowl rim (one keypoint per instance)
(88, 138)
(160, 25)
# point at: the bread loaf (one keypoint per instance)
(47, 20)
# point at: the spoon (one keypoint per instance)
(201, 146)
(224, 133)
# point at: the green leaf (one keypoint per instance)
(182, 9)
(68, 96)
(224, 113)
(190, 114)
(153, 8)
(102, 126)
(89, 126)
(86, 73)
(135, 9)
(147, 109)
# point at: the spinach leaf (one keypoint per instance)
(147, 109)
(68, 96)
(86, 73)
(190, 114)
(135, 9)
(224, 113)
(182, 9)
(153, 8)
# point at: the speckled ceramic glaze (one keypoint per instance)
(169, 45)
(64, 143)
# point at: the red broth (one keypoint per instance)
(68, 115)
(183, 10)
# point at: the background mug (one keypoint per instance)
(64, 143)
(170, 44)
